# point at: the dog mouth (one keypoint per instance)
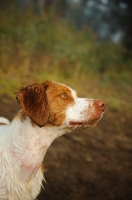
(88, 123)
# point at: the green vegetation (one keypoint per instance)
(35, 48)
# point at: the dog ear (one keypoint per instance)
(34, 102)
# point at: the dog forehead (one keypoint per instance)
(59, 87)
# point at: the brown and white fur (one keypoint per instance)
(49, 110)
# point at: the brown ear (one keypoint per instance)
(33, 100)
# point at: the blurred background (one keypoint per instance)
(86, 44)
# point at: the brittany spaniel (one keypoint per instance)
(49, 110)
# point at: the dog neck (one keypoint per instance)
(32, 142)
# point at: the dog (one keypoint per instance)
(49, 110)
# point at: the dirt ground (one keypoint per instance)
(93, 164)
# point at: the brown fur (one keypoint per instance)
(42, 168)
(58, 104)
(44, 103)
(1, 123)
(34, 102)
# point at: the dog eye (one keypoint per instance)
(63, 96)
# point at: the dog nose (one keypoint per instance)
(100, 104)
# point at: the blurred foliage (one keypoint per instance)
(38, 47)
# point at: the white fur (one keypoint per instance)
(23, 147)
(79, 111)
(4, 120)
